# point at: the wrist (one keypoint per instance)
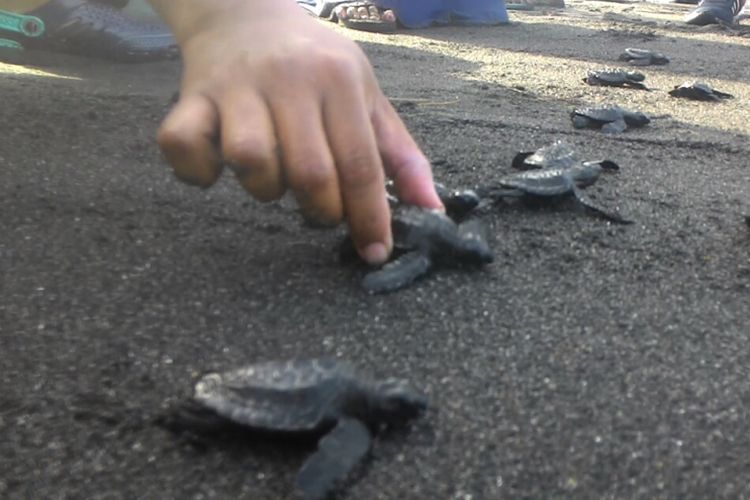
(188, 17)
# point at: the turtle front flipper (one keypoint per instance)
(644, 61)
(615, 127)
(589, 204)
(579, 121)
(397, 274)
(498, 193)
(338, 453)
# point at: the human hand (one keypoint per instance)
(288, 103)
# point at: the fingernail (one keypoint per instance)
(375, 254)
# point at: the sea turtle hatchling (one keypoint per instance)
(323, 398)
(699, 91)
(458, 203)
(616, 77)
(609, 119)
(424, 239)
(643, 57)
(553, 172)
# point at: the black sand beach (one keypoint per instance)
(589, 360)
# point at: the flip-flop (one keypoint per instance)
(534, 4)
(371, 25)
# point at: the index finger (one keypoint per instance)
(360, 170)
(403, 160)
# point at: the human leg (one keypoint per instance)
(93, 28)
(715, 12)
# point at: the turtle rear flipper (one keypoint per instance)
(589, 204)
(338, 453)
(397, 274)
(637, 85)
(722, 95)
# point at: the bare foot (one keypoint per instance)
(372, 13)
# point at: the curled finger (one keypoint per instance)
(188, 138)
(249, 145)
(307, 161)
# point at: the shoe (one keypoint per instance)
(94, 29)
(715, 12)
(742, 15)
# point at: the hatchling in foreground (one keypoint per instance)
(616, 77)
(699, 91)
(610, 119)
(554, 172)
(315, 397)
(643, 57)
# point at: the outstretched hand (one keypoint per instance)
(289, 104)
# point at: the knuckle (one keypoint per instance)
(288, 62)
(173, 139)
(248, 151)
(358, 171)
(411, 166)
(341, 70)
(181, 155)
(312, 175)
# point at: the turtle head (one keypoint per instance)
(636, 119)
(588, 172)
(395, 402)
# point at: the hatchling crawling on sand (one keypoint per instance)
(616, 77)
(550, 173)
(609, 119)
(322, 398)
(425, 238)
(698, 91)
(643, 57)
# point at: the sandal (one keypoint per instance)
(371, 25)
(532, 4)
